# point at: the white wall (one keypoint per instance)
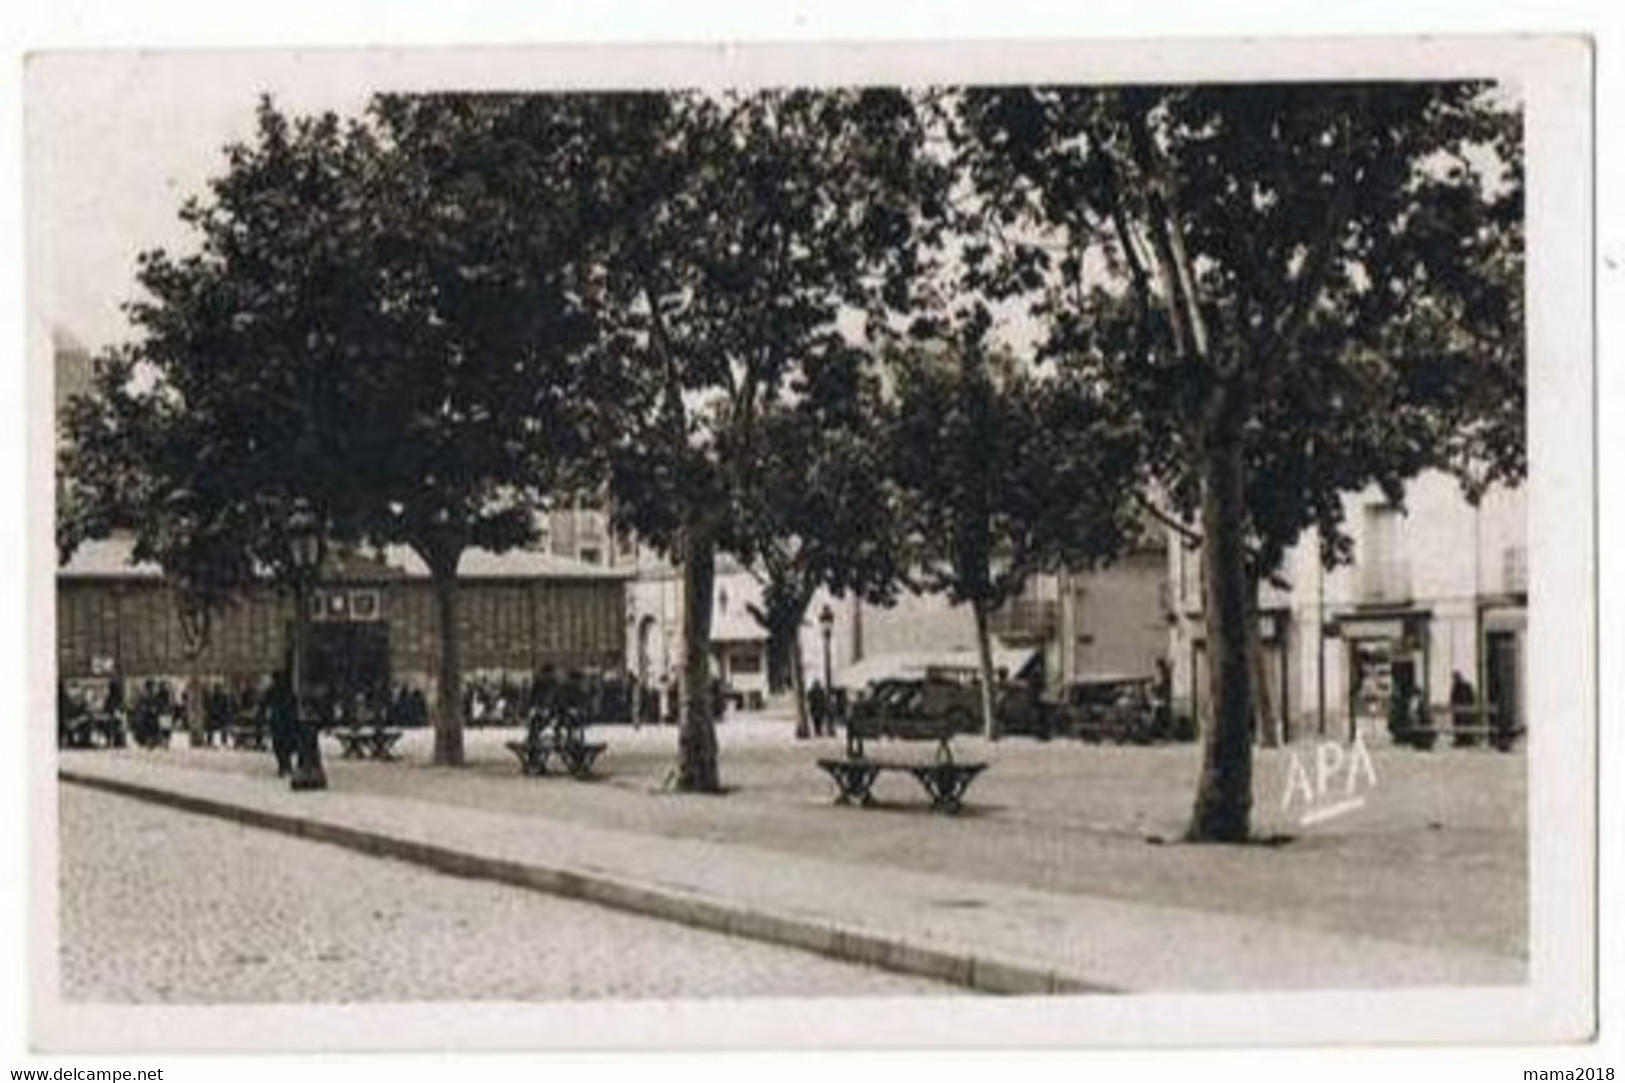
(1457, 557)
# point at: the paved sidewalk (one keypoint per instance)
(986, 933)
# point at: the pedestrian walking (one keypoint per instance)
(282, 716)
(216, 715)
(1162, 710)
(818, 708)
(1463, 711)
(399, 712)
(113, 714)
(144, 716)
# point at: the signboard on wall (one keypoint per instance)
(345, 605)
(1373, 682)
(1374, 629)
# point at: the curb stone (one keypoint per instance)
(984, 974)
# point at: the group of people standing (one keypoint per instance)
(147, 718)
(507, 701)
(826, 709)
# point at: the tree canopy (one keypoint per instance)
(375, 324)
(749, 243)
(1296, 290)
(1005, 315)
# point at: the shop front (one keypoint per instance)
(1274, 694)
(1388, 672)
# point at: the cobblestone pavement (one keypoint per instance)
(160, 906)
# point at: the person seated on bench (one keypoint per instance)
(560, 732)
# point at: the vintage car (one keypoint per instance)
(916, 708)
(920, 707)
(1025, 712)
(1117, 708)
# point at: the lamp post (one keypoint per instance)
(826, 625)
(305, 537)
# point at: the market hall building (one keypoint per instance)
(373, 622)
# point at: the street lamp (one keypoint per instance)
(826, 625)
(305, 542)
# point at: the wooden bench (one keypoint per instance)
(1494, 736)
(81, 732)
(576, 754)
(157, 738)
(248, 737)
(1465, 736)
(368, 742)
(944, 780)
(1461, 728)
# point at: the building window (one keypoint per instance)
(1385, 574)
(745, 662)
(590, 554)
(1515, 570)
(364, 604)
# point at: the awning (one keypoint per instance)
(737, 628)
(108, 558)
(1009, 663)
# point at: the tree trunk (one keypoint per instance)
(787, 631)
(448, 714)
(194, 627)
(798, 683)
(991, 724)
(697, 733)
(1224, 795)
(195, 731)
(308, 772)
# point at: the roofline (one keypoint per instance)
(140, 575)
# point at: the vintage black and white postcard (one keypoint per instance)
(938, 545)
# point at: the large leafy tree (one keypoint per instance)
(750, 239)
(139, 464)
(466, 421)
(821, 510)
(1298, 290)
(1004, 474)
(196, 437)
(374, 324)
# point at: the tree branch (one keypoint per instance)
(1163, 230)
(661, 337)
(1311, 277)
(1193, 538)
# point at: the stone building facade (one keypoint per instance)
(1436, 589)
(1113, 621)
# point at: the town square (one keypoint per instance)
(939, 539)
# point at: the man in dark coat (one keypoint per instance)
(1463, 709)
(282, 715)
(818, 708)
